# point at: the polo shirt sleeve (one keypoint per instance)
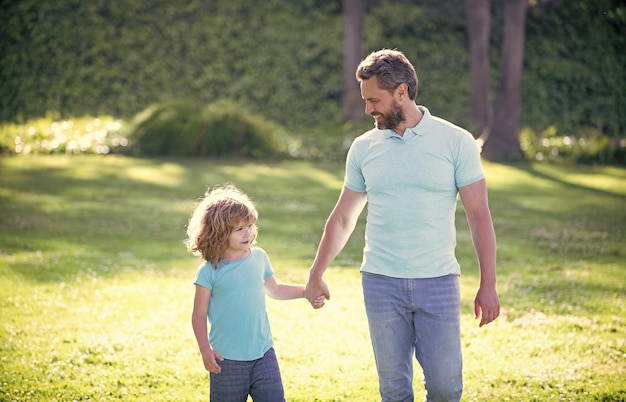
(354, 179)
(468, 168)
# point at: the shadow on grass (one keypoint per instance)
(108, 215)
(532, 170)
(105, 218)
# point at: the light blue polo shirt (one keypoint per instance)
(240, 328)
(412, 184)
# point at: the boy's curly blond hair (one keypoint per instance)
(221, 210)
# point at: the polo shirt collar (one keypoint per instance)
(419, 129)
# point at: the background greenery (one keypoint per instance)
(96, 285)
(283, 59)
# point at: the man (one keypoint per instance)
(409, 170)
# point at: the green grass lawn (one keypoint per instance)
(96, 285)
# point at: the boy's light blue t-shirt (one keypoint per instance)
(240, 328)
(412, 184)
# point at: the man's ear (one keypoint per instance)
(402, 91)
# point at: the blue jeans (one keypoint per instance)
(258, 378)
(420, 316)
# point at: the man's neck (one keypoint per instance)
(413, 117)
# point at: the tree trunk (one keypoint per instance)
(502, 142)
(478, 27)
(353, 11)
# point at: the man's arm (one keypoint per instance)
(337, 231)
(476, 205)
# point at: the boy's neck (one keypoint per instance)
(233, 255)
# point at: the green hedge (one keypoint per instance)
(279, 58)
(283, 60)
(575, 67)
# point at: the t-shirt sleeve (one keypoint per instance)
(204, 276)
(268, 271)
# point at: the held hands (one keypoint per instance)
(486, 305)
(210, 364)
(316, 292)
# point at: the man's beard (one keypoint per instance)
(392, 120)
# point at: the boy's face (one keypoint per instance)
(242, 237)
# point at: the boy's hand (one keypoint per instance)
(210, 364)
(319, 302)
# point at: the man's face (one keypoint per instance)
(381, 105)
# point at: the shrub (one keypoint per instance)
(164, 129)
(224, 128)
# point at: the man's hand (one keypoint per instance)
(316, 291)
(486, 305)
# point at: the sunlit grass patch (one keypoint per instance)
(540, 356)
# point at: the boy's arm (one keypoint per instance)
(199, 323)
(281, 291)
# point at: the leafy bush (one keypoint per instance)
(224, 128)
(94, 135)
